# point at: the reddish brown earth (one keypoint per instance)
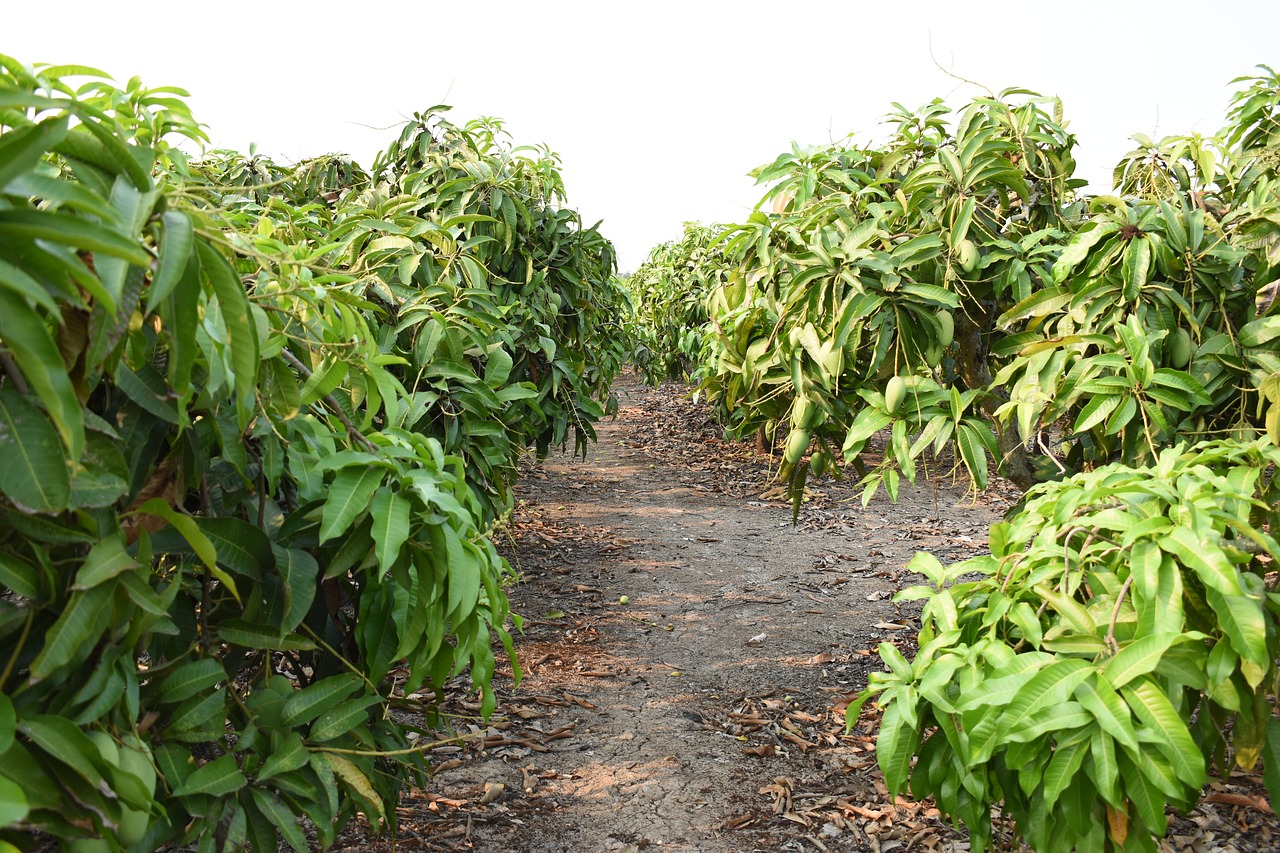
(688, 653)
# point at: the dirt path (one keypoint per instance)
(704, 711)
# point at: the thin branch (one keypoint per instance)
(1115, 615)
(1049, 453)
(338, 411)
(15, 375)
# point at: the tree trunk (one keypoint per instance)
(1014, 461)
(763, 445)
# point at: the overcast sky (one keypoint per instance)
(658, 108)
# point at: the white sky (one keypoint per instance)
(658, 108)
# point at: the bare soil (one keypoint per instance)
(688, 653)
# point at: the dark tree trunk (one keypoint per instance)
(1014, 461)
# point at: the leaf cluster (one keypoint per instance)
(257, 422)
(1118, 643)
(669, 292)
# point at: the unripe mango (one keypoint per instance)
(106, 745)
(135, 758)
(948, 333)
(797, 444)
(967, 256)
(894, 393)
(802, 412)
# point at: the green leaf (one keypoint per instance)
(1096, 411)
(1105, 768)
(1208, 562)
(72, 231)
(348, 497)
(199, 713)
(105, 560)
(1039, 304)
(390, 514)
(1260, 332)
(34, 476)
(64, 741)
(242, 331)
(218, 778)
(8, 722)
(190, 530)
(20, 576)
(895, 661)
(252, 635)
(299, 571)
(973, 453)
(1051, 685)
(24, 286)
(1136, 264)
(1060, 773)
(1100, 699)
(269, 803)
(1139, 657)
(1243, 620)
(175, 250)
(25, 336)
(1070, 609)
(464, 576)
(21, 150)
(242, 547)
(1078, 645)
(322, 380)
(497, 367)
(960, 228)
(1149, 704)
(1184, 382)
(896, 745)
(191, 678)
(1078, 249)
(148, 389)
(119, 152)
(76, 631)
(13, 804)
(1142, 791)
(289, 756)
(1065, 715)
(343, 717)
(312, 701)
(1270, 759)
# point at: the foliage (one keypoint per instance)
(498, 311)
(887, 262)
(669, 296)
(957, 266)
(1119, 640)
(951, 287)
(501, 266)
(257, 421)
(1123, 623)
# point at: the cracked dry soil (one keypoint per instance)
(688, 653)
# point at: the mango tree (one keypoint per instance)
(253, 424)
(952, 288)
